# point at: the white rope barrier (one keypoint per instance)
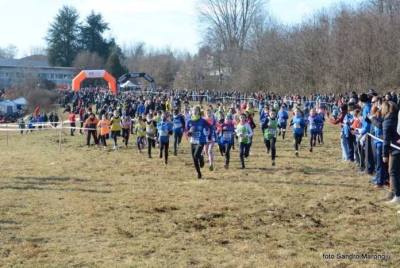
(376, 138)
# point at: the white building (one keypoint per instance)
(13, 71)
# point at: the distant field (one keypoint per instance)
(90, 207)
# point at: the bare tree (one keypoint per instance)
(35, 50)
(87, 60)
(227, 25)
(9, 52)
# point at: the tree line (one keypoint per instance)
(345, 47)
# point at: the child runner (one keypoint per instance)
(306, 114)
(126, 127)
(151, 133)
(209, 147)
(321, 115)
(271, 126)
(164, 129)
(179, 122)
(91, 128)
(226, 138)
(21, 126)
(244, 133)
(104, 125)
(71, 119)
(314, 122)
(221, 121)
(252, 125)
(283, 116)
(140, 129)
(195, 128)
(115, 123)
(263, 116)
(298, 124)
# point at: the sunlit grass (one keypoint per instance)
(91, 207)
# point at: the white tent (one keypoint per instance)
(21, 101)
(8, 107)
(128, 84)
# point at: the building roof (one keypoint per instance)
(38, 57)
(23, 63)
(7, 102)
(20, 101)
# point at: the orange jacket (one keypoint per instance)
(104, 127)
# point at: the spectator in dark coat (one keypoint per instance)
(390, 136)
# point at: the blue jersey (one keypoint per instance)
(213, 130)
(378, 132)
(263, 117)
(141, 109)
(178, 124)
(298, 124)
(227, 134)
(321, 116)
(306, 114)
(201, 127)
(283, 116)
(347, 122)
(366, 125)
(31, 123)
(335, 110)
(313, 123)
(164, 130)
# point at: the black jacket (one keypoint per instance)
(390, 134)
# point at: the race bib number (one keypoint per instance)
(195, 138)
(149, 129)
(272, 131)
(140, 129)
(313, 126)
(227, 136)
(177, 125)
(164, 133)
(297, 125)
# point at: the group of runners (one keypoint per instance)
(203, 128)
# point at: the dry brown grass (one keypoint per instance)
(96, 208)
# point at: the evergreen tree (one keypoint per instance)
(91, 35)
(62, 37)
(114, 66)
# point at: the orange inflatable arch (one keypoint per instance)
(112, 83)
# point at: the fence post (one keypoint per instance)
(59, 141)
(7, 133)
(367, 144)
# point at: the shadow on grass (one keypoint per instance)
(313, 183)
(46, 179)
(299, 183)
(8, 222)
(26, 188)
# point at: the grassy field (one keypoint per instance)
(91, 207)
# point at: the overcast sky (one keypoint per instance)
(158, 23)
